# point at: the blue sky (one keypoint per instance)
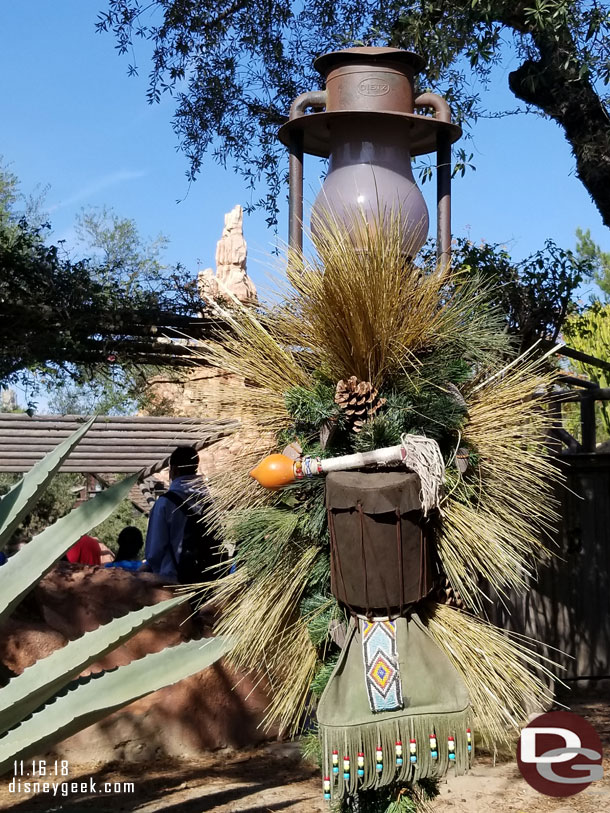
(71, 118)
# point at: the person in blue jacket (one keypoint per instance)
(169, 519)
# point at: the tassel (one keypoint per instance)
(469, 739)
(451, 747)
(326, 785)
(379, 758)
(374, 751)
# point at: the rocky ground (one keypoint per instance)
(273, 778)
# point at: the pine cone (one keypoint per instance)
(448, 595)
(359, 400)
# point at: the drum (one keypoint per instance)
(382, 549)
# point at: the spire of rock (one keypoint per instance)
(231, 277)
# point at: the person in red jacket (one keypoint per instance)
(85, 552)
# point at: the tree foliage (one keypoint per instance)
(125, 514)
(124, 257)
(534, 295)
(114, 389)
(58, 499)
(63, 317)
(588, 250)
(55, 502)
(589, 332)
(562, 48)
(234, 69)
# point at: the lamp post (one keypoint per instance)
(365, 123)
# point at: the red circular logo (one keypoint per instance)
(560, 754)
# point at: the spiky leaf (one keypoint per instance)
(22, 571)
(22, 497)
(91, 699)
(49, 675)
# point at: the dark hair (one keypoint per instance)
(130, 543)
(184, 460)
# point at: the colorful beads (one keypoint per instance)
(326, 785)
(451, 747)
(401, 755)
(307, 467)
(379, 759)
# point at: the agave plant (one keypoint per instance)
(48, 701)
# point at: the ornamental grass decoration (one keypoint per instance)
(463, 506)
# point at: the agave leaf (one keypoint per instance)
(91, 699)
(30, 690)
(22, 571)
(22, 497)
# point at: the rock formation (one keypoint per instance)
(205, 391)
(214, 708)
(231, 276)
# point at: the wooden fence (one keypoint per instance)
(568, 606)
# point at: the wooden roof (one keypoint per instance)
(112, 444)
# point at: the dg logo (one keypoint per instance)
(560, 754)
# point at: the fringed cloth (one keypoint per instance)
(426, 737)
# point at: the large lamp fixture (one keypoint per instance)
(365, 123)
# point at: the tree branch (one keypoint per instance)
(559, 84)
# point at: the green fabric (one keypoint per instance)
(435, 701)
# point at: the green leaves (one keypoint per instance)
(596, 261)
(589, 332)
(24, 494)
(90, 699)
(39, 682)
(323, 673)
(312, 406)
(20, 574)
(241, 68)
(534, 296)
(59, 316)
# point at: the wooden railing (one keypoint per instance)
(587, 393)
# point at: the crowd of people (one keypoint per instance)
(180, 544)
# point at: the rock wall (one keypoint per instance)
(213, 709)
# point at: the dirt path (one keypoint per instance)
(501, 788)
(273, 778)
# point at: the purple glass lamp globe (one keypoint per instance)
(370, 180)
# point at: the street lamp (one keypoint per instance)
(365, 123)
